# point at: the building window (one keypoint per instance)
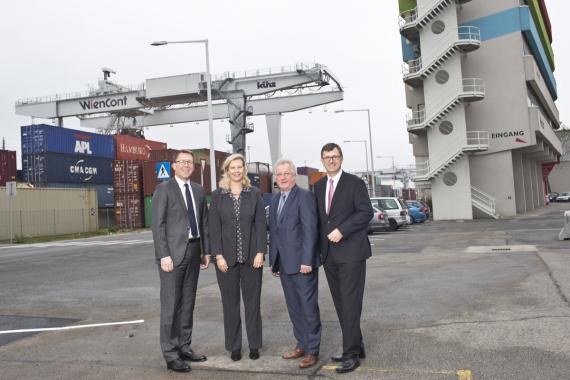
(437, 27)
(446, 127)
(442, 76)
(450, 178)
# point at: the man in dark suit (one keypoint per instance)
(180, 231)
(293, 256)
(344, 210)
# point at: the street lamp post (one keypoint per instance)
(367, 110)
(365, 153)
(210, 111)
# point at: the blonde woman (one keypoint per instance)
(238, 243)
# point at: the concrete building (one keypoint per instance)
(479, 82)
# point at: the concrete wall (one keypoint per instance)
(493, 173)
(453, 202)
(518, 176)
(559, 177)
(43, 212)
(481, 8)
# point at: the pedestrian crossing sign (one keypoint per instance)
(163, 171)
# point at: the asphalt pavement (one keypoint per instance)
(463, 300)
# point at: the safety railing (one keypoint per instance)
(73, 95)
(416, 14)
(268, 71)
(483, 201)
(463, 36)
(467, 88)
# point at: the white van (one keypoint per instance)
(395, 208)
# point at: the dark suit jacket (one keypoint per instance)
(170, 226)
(350, 212)
(222, 225)
(294, 233)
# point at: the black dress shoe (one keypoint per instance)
(178, 365)
(340, 358)
(348, 365)
(236, 355)
(253, 354)
(192, 356)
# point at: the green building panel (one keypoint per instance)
(406, 5)
(534, 7)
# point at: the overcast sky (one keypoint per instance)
(51, 47)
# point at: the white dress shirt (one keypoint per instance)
(183, 190)
(335, 179)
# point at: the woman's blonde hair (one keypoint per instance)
(225, 181)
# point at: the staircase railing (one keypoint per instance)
(416, 14)
(483, 201)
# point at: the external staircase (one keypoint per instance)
(465, 39)
(484, 202)
(411, 21)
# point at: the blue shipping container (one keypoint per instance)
(43, 138)
(105, 194)
(52, 167)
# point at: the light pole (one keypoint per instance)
(209, 95)
(365, 152)
(367, 110)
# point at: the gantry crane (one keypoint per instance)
(182, 98)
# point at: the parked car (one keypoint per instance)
(379, 221)
(395, 208)
(563, 197)
(417, 215)
(552, 196)
(421, 205)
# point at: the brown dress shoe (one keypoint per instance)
(293, 354)
(308, 361)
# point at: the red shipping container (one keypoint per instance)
(7, 166)
(127, 176)
(168, 155)
(136, 148)
(129, 210)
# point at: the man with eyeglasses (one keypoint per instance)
(294, 258)
(180, 232)
(344, 211)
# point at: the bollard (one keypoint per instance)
(565, 232)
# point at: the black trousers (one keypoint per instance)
(248, 279)
(177, 299)
(346, 282)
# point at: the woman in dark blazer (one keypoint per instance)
(238, 241)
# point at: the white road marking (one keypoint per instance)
(79, 243)
(72, 327)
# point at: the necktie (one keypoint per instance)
(191, 214)
(281, 203)
(330, 195)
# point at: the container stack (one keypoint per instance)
(7, 166)
(133, 155)
(66, 158)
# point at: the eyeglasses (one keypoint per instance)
(285, 175)
(184, 162)
(331, 158)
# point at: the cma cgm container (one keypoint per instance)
(135, 148)
(127, 176)
(7, 166)
(66, 168)
(129, 212)
(105, 193)
(43, 138)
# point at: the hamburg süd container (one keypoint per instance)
(66, 168)
(135, 148)
(43, 138)
(127, 176)
(129, 210)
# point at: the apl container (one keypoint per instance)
(127, 176)
(105, 193)
(7, 166)
(43, 138)
(136, 148)
(66, 168)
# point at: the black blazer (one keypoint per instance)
(350, 212)
(222, 225)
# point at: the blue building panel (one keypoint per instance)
(513, 20)
(43, 138)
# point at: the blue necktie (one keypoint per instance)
(191, 214)
(281, 204)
